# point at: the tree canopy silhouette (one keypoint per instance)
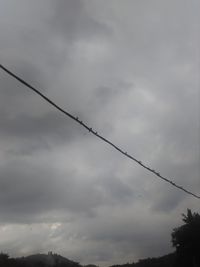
(186, 240)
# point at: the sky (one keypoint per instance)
(130, 70)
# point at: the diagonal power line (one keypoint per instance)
(96, 133)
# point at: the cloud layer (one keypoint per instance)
(130, 70)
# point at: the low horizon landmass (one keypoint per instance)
(55, 260)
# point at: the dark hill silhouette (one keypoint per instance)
(54, 260)
(37, 260)
(50, 259)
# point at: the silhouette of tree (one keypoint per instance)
(186, 240)
(5, 261)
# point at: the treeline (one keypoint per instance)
(164, 261)
(185, 240)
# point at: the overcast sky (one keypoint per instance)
(130, 70)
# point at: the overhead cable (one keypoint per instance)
(96, 133)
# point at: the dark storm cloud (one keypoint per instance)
(73, 22)
(45, 128)
(27, 121)
(123, 238)
(128, 69)
(106, 94)
(114, 190)
(22, 191)
(15, 96)
(31, 190)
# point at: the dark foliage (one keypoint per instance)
(186, 240)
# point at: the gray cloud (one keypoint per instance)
(40, 132)
(130, 70)
(72, 21)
